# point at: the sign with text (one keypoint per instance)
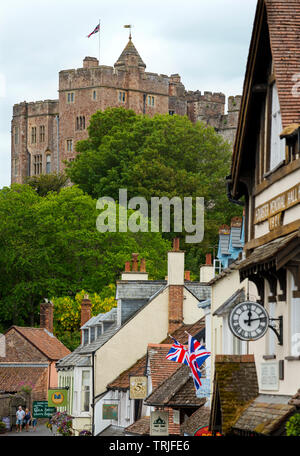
(138, 387)
(159, 423)
(269, 376)
(57, 397)
(110, 412)
(40, 409)
(275, 206)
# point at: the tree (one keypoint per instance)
(160, 156)
(45, 183)
(50, 247)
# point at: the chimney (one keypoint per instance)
(187, 275)
(175, 286)
(132, 271)
(207, 269)
(46, 316)
(86, 310)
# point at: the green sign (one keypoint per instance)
(40, 409)
(58, 397)
(110, 412)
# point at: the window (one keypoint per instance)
(16, 135)
(80, 123)
(99, 331)
(92, 334)
(70, 97)
(85, 336)
(122, 97)
(42, 133)
(277, 145)
(150, 100)
(94, 95)
(48, 164)
(85, 391)
(33, 135)
(69, 145)
(15, 166)
(37, 164)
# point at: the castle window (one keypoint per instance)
(16, 135)
(80, 123)
(69, 145)
(122, 97)
(150, 100)
(42, 133)
(37, 164)
(15, 166)
(94, 95)
(48, 164)
(70, 97)
(33, 135)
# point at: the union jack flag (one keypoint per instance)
(178, 353)
(197, 354)
(96, 29)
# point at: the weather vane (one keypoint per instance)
(130, 27)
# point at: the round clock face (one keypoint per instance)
(248, 321)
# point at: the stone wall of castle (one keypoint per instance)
(44, 133)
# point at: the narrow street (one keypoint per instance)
(41, 430)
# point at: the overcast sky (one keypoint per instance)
(205, 41)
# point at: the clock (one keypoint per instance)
(248, 321)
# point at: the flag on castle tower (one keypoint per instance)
(96, 29)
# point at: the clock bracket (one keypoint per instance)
(279, 329)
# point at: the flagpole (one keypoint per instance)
(99, 40)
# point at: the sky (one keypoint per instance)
(205, 41)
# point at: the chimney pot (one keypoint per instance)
(135, 262)
(143, 265)
(208, 259)
(176, 246)
(187, 275)
(127, 266)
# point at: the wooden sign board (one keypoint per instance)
(159, 423)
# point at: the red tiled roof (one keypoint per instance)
(284, 27)
(140, 427)
(13, 378)
(160, 367)
(47, 344)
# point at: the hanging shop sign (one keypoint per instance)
(159, 423)
(138, 387)
(40, 409)
(58, 397)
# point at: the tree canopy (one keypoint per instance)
(155, 157)
(50, 247)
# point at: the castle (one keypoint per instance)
(44, 133)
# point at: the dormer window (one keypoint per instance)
(99, 331)
(92, 334)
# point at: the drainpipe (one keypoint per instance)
(229, 196)
(93, 393)
(57, 139)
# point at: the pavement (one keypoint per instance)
(41, 430)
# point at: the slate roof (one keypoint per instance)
(108, 316)
(46, 342)
(138, 289)
(198, 419)
(178, 390)
(129, 49)
(12, 378)
(139, 427)
(199, 290)
(263, 418)
(112, 431)
(267, 251)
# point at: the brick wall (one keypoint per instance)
(175, 307)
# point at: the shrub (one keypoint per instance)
(293, 426)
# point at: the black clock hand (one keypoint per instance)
(254, 319)
(249, 320)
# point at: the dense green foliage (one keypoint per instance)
(160, 156)
(50, 247)
(293, 426)
(45, 183)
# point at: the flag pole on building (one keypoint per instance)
(99, 41)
